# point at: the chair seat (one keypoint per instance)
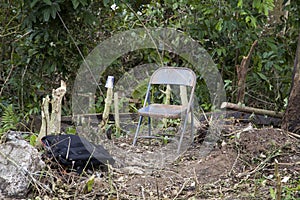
(162, 110)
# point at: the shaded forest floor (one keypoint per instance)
(245, 163)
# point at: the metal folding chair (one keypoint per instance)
(168, 76)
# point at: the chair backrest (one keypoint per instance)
(174, 76)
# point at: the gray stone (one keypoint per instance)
(18, 162)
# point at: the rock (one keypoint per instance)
(18, 159)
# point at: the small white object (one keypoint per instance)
(109, 82)
(285, 179)
(114, 7)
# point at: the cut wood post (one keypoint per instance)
(184, 98)
(251, 109)
(55, 119)
(45, 119)
(185, 102)
(117, 115)
(167, 102)
(51, 124)
(108, 101)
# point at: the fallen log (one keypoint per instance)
(251, 110)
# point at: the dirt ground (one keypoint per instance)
(244, 163)
(241, 165)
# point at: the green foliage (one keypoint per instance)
(89, 184)
(289, 192)
(9, 119)
(71, 130)
(38, 40)
(32, 139)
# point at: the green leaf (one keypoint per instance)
(10, 119)
(31, 52)
(219, 25)
(33, 3)
(48, 2)
(75, 3)
(46, 14)
(262, 76)
(71, 130)
(83, 2)
(240, 4)
(272, 193)
(32, 140)
(53, 12)
(106, 3)
(89, 184)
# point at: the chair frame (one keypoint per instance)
(168, 76)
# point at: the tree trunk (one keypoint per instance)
(242, 71)
(291, 118)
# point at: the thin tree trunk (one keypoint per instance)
(291, 118)
(242, 71)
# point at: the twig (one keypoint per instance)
(238, 132)
(183, 186)
(235, 161)
(9, 74)
(278, 182)
(116, 188)
(294, 135)
(261, 164)
(197, 185)
(157, 190)
(143, 192)
(22, 87)
(290, 164)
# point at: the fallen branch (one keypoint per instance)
(251, 109)
(293, 135)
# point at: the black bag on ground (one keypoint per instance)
(76, 152)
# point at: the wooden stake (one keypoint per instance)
(108, 101)
(278, 182)
(117, 115)
(167, 101)
(184, 98)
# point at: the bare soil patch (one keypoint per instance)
(241, 165)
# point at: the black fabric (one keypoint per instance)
(76, 152)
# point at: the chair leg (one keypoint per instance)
(149, 126)
(182, 133)
(137, 130)
(192, 125)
